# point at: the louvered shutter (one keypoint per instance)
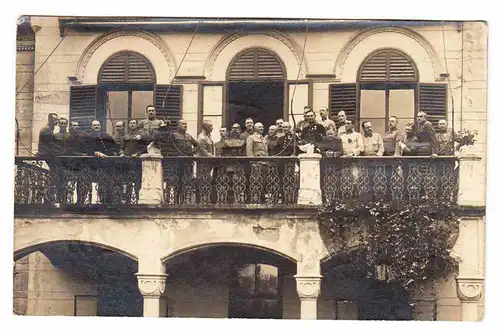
(126, 67)
(256, 64)
(388, 65)
(432, 101)
(172, 109)
(343, 97)
(82, 105)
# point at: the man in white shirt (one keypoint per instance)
(352, 142)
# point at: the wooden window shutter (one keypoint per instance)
(388, 65)
(256, 64)
(172, 109)
(127, 67)
(433, 101)
(343, 97)
(82, 105)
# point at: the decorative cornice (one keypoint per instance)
(357, 39)
(308, 287)
(470, 289)
(25, 48)
(294, 48)
(150, 37)
(152, 285)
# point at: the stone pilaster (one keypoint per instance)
(152, 179)
(471, 187)
(152, 287)
(25, 68)
(310, 186)
(308, 289)
(470, 290)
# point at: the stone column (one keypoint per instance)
(308, 289)
(152, 179)
(152, 287)
(469, 292)
(310, 186)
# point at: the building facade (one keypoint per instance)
(257, 261)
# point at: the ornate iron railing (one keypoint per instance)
(390, 178)
(231, 180)
(77, 180)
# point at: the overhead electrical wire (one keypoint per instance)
(449, 87)
(19, 140)
(294, 141)
(180, 64)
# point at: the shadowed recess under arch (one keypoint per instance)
(196, 247)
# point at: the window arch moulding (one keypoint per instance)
(147, 44)
(224, 52)
(406, 40)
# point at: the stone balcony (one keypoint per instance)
(229, 182)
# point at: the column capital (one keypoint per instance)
(151, 285)
(470, 289)
(308, 287)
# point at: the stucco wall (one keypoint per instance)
(51, 291)
(330, 52)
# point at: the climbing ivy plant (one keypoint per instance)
(413, 239)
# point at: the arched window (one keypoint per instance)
(255, 87)
(256, 64)
(126, 85)
(388, 66)
(127, 67)
(388, 85)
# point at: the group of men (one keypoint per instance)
(328, 137)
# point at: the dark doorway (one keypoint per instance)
(262, 101)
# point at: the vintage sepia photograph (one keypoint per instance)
(255, 168)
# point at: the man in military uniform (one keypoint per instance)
(205, 142)
(313, 132)
(62, 136)
(352, 142)
(279, 125)
(220, 144)
(444, 137)
(426, 135)
(272, 140)
(330, 146)
(327, 123)
(133, 143)
(249, 129)
(149, 125)
(393, 137)
(47, 145)
(372, 141)
(341, 116)
(180, 171)
(102, 145)
(287, 144)
(119, 134)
